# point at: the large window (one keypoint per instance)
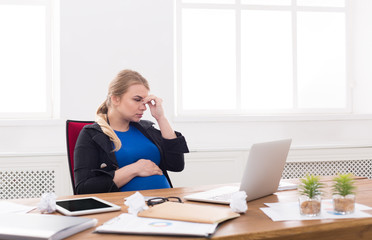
(262, 56)
(26, 59)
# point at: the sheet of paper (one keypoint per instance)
(10, 207)
(130, 224)
(290, 211)
(283, 185)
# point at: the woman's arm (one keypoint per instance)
(141, 168)
(157, 111)
(93, 170)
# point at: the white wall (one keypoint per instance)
(99, 38)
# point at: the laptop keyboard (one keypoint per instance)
(221, 194)
(223, 197)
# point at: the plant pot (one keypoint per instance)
(344, 204)
(310, 206)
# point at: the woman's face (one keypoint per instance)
(130, 105)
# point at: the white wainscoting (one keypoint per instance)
(208, 166)
(28, 175)
(31, 174)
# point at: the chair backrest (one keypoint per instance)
(73, 129)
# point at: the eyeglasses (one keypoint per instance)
(158, 200)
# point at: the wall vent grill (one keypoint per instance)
(361, 168)
(26, 183)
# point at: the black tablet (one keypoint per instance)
(85, 205)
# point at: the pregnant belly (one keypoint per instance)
(146, 183)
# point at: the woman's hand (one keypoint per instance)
(155, 105)
(147, 168)
(141, 168)
(156, 108)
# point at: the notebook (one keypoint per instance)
(261, 176)
(41, 226)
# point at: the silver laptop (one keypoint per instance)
(261, 176)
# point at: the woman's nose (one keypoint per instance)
(143, 106)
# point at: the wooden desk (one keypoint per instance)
(254, 224)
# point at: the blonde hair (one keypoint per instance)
(118, 86)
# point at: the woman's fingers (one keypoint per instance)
(148, 168)
(155, 105)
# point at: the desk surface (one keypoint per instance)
(254, 224)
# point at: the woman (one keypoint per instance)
(120, 152)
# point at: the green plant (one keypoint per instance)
(343, 184)
(310, 186)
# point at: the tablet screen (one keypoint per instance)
(85, 205)
(74, 205)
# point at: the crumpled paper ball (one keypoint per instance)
(47, 203)
(136, 203)
(238, 202)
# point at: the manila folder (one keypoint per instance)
(189, 212)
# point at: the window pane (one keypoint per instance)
(321, 60)
(208, 59)
(266, 60)
(321, 3)
(22, 58)
(267, 2)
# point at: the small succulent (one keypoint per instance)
(310, 186)
(343, 184)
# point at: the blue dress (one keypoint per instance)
(136, 146)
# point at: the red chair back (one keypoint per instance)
(73, 129)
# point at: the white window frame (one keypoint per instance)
(51, 61)
(182, 114)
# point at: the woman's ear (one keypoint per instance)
(115, 100)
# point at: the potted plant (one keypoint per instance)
(310, 199)
(343, 193)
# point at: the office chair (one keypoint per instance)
(73, 129)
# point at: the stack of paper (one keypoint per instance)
(283, 185)
(291, 211)
(171, 218)
(41, 226)
(131, 224)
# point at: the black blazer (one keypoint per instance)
(95, 162)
